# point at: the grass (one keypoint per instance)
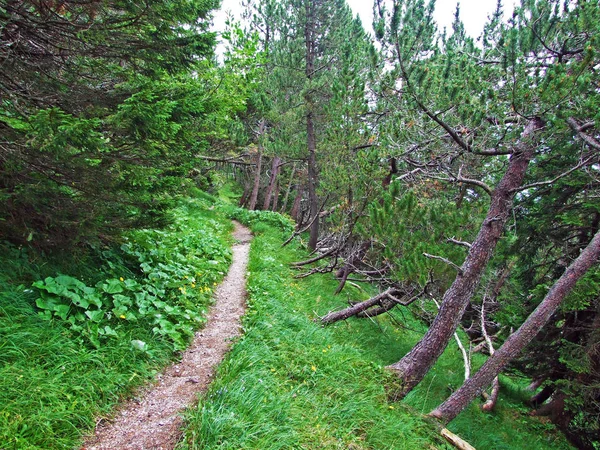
(55, 383)
(289, 383)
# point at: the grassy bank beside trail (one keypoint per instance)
(79, 331)
(289, 383)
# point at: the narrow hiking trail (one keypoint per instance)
(153, 420)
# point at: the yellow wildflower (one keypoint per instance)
(121, 279)
(122, 316)
(314, 369)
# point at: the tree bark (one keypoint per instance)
(245, 197)
(355, 309)
(519, 339)
(311, 141)
(413, 367)
(276, 195)
(296, 205)
(288, 190)
(272, 181)
(254, 196)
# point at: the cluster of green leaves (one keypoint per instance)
(176, 271)
(405, 225)
(104, 113)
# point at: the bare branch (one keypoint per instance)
(298, 232)
(460, 179)
(582, 163)
(447, 261)
(457, 242)
(589, 140)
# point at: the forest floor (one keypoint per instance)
(152, 419)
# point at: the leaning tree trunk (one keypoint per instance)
(288, 190)
(519, 339)
(276, 196)
(255, 188)
(272, 181)
(413, 367)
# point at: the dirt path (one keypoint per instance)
(153, 421)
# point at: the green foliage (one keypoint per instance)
(177, 269)
(416, 221)
(251, 218)
(74, 346)
(76, 170)
(290, 383)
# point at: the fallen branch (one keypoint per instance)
(353, 310)
(493, 398)
(329, 252)
(466, 361)
(456, 440)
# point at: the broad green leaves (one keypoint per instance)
(178, 270)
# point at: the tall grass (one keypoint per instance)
(54, 384)
(289, 383)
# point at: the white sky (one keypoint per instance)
(473, 13)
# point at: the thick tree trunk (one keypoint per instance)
(413, 367)
(519, 339)
(311, 139)
(272, 182)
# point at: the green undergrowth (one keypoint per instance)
(289, 383)
(79, 331)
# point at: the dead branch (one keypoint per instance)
(493, 398)
(327, 269)
(447, 261)
(329, 252)
(580, 129)
(457, 242)
(456, 440)
(298, 232)
(583, 162)
(461, 347)
(344, 314)
(386, 305)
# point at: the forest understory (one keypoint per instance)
(425, 205)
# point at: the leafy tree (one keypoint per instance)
(487, 102)
(96, 96)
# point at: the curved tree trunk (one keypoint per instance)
(519, 339)
(413, 367)
(272, 182)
